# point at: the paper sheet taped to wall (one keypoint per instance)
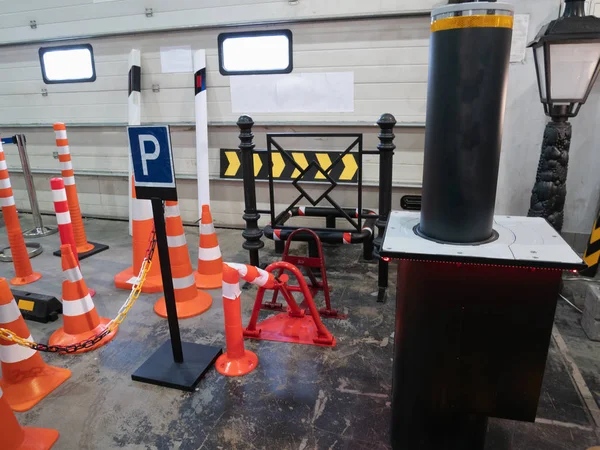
(294, 92)
(519, 38)
(176, 59)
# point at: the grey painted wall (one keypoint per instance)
(523, 129)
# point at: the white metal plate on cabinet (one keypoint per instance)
(519, 239)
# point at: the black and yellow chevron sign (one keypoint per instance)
(345, 171)
(592, 253)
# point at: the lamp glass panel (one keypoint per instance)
(539, 60)
(571, 69)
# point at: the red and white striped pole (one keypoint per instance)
(63, 218)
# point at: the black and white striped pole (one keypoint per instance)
(201, 128)
(134, 112)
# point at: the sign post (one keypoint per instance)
(154, 176)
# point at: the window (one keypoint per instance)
(255, 52)
(68, 64)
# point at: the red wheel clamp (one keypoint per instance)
(309, 263)
(295, 325)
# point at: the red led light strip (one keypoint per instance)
(387, 259)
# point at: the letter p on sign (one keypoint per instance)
(145, 155)
(152, 159)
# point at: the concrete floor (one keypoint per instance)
(299, 397)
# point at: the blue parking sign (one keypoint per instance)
(152, 159)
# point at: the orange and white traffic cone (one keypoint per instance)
(210, 263)
(80, 318)
(84, 248)
(26, 378)
(189, 300)
(16, 437)
(23, 271)
(142, 225)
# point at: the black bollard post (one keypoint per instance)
(252, 233)
(386, 159)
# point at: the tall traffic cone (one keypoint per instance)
(84, 248)
(80, 318)
(142, 224)
(236, 361)
(189, 300)
(16, 437)
(23, 271)
(26, 378)
(210, 263)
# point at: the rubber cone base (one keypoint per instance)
(199, 304)
(24, 395)
(125, 279)
(283, 328)
(20, 281)
(236, 367)
(93, 249)
(38, 438)
(59, 337)
(208, 281)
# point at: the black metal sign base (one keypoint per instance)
(160, 369)
(167, 366)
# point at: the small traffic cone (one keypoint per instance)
(16, 437)
(80, 318)
(189, 300)
(210, 263)
(26, 378)
(84, 248)
(23, 271)
(142, 225)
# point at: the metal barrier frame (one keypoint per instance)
(385, 149)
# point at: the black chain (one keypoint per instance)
(72, 348)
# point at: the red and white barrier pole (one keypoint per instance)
(63, 218)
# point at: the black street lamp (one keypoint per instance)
(567, 62)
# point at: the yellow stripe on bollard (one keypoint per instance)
(483, 21)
